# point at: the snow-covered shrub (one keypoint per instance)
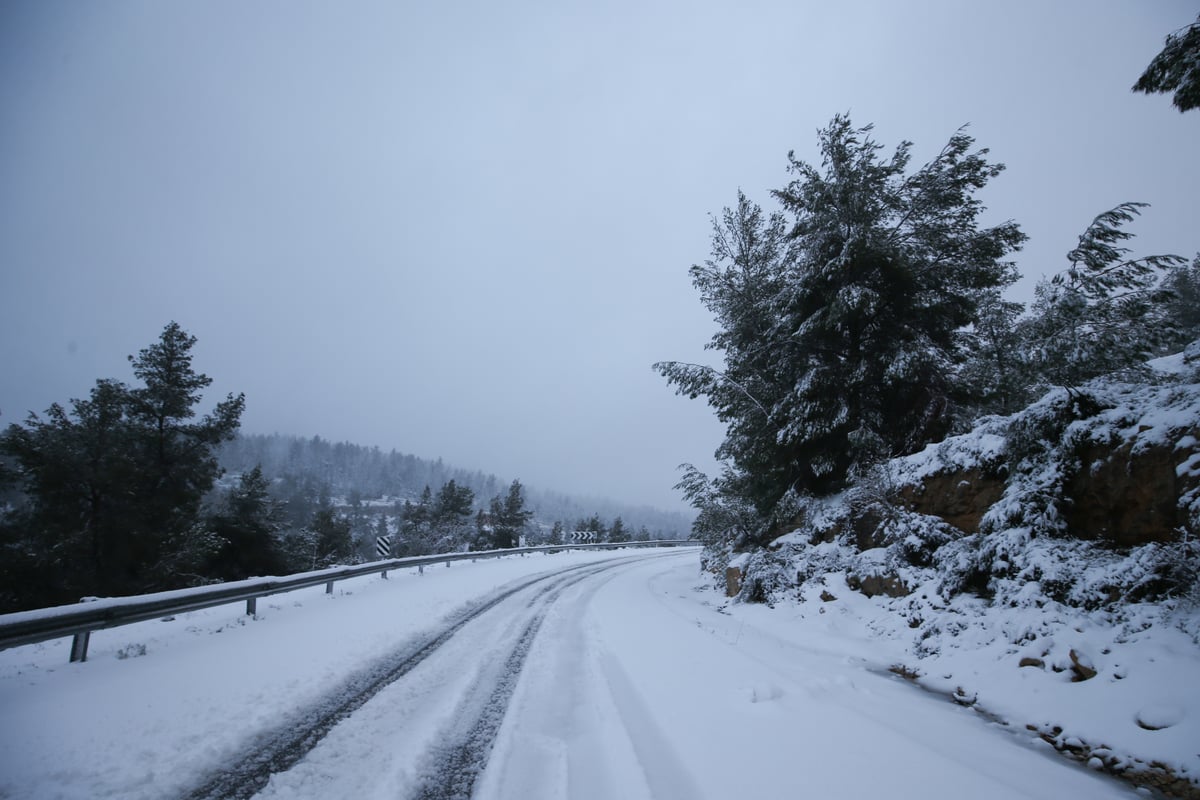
(132, 651)
(714, 558)
(1147, 573)
(1040, 447)
(1014, 569)
(767, 575)
(811, 562)
(913, 540)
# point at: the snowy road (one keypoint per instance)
(572, 676)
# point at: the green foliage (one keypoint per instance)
(1181, 284)
(1176, 69)
(842, 316)
(509, 517)
(248, 525)
(453, 505)
(724, 518)
(1103, 313)
(326, 541)
(438, 523)
(113, 487)
(996, 371)
(618, 532)
(332, 541)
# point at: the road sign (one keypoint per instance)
(383, 546)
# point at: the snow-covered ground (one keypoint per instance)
(620, 678)
(1139, 710)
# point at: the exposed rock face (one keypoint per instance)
(959, 498)
(873, 585)
(733, 581)
(1118, 465)
(1127, 497)
(1081, 667)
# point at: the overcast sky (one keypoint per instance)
(463, 229)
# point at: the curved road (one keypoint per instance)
(586, 677)
(609, 681)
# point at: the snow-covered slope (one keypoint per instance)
(1062, 599)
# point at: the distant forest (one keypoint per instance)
(365, 483)
(129, 491)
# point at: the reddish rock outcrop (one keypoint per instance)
(872, 585)
(960, 498)
(1128, 497)
(733, 581)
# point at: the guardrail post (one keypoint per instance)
(79, 646)
(79, 642)
(420, 569)
(385, 574)
(329, 587)
(252, 606)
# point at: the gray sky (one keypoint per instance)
(463, 229)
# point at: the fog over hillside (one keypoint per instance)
(355, 473)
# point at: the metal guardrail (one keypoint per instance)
(30, 627)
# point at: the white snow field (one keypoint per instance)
(589, 675)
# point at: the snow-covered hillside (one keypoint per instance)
(1041, 568)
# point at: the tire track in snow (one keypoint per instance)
(453, 767)
(281, 748)
(456, 765)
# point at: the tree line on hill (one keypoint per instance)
(119, 494)
(305, 469)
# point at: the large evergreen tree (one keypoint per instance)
(842, 331)
(450, 517)
(176, 456)
(509, 517)
(618, 532)
(248, 524)
(114, 485)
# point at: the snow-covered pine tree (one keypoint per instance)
(1183, 307)
(748, 265)
(509, 516)
(1176, 68)
(840, 332)
(891, 268)
(451, 517)
(248, 523)
(618, 532)
(995, 370)
(1105, 312)
(115, 486)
